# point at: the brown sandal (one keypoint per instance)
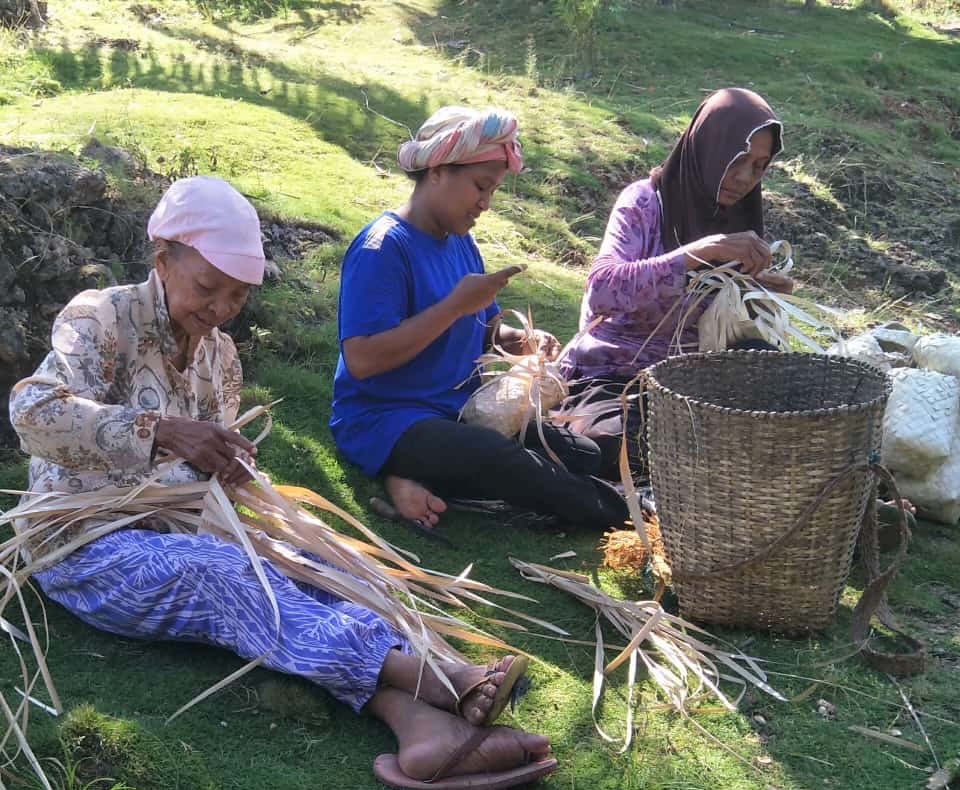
(387, 770)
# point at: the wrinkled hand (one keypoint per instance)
(208, 446)
(476, 292)
(747, 247)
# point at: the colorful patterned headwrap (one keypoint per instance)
(461, 136)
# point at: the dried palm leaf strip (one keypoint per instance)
(684, 662)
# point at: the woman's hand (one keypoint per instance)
(747, 247)
(476, 292)
(208, 446)
(547, 344)
(516, 341)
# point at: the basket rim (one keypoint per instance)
(759, 413)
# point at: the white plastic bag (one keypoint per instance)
(895, 338)
(938, 352)
(920, 422)
(865, 348)
(936, 496)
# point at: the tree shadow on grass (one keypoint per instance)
(309, 12)
(335, 108)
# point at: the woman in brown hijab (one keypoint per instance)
(702, 204)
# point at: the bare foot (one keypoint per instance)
(478, 702)
(429, 737)
(402, 671)
(414, 501)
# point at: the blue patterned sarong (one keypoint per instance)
(198, 588)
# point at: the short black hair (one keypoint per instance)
(418, 175)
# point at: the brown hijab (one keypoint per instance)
(689, 179)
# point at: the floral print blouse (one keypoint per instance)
(638, 289)
(89, 414)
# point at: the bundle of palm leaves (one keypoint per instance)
(516, 388)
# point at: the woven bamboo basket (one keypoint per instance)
(744, 449)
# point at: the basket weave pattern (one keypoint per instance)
(741, 443)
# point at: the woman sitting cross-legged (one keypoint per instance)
(416, 311)
(141, 370)
(702, 205)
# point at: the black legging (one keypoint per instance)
(601, 397)
(464, 461)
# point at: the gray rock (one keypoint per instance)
(271, 270)
(95, 275)
(7, 275)
(953, 231)
(110, 156)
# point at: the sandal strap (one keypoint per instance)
(457, 707)
(467, 747)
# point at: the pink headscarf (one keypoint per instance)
(461, 136)
(208, 214)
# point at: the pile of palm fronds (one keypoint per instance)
(685, 663)
(742, 308)
(270, 523)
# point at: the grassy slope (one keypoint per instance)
(277, 105)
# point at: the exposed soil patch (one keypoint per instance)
(885, 231)
(146, 14)
(123, 44)
(285, 240)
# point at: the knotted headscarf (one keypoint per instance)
(689, 179)
(461, 136)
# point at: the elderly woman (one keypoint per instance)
(416, 311)
(702, 205)
(141, 372)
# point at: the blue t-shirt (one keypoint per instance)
(391, 272)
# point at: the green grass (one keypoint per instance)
(302, 105)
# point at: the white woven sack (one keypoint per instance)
(920, 421)
(938, 352)
(936, 496)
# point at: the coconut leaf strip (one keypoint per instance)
(681, 667)
(21, 739)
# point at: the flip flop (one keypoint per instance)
(513, 686)
(387, 770)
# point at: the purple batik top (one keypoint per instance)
(634, 284)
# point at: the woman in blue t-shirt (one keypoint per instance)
(416, 311)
